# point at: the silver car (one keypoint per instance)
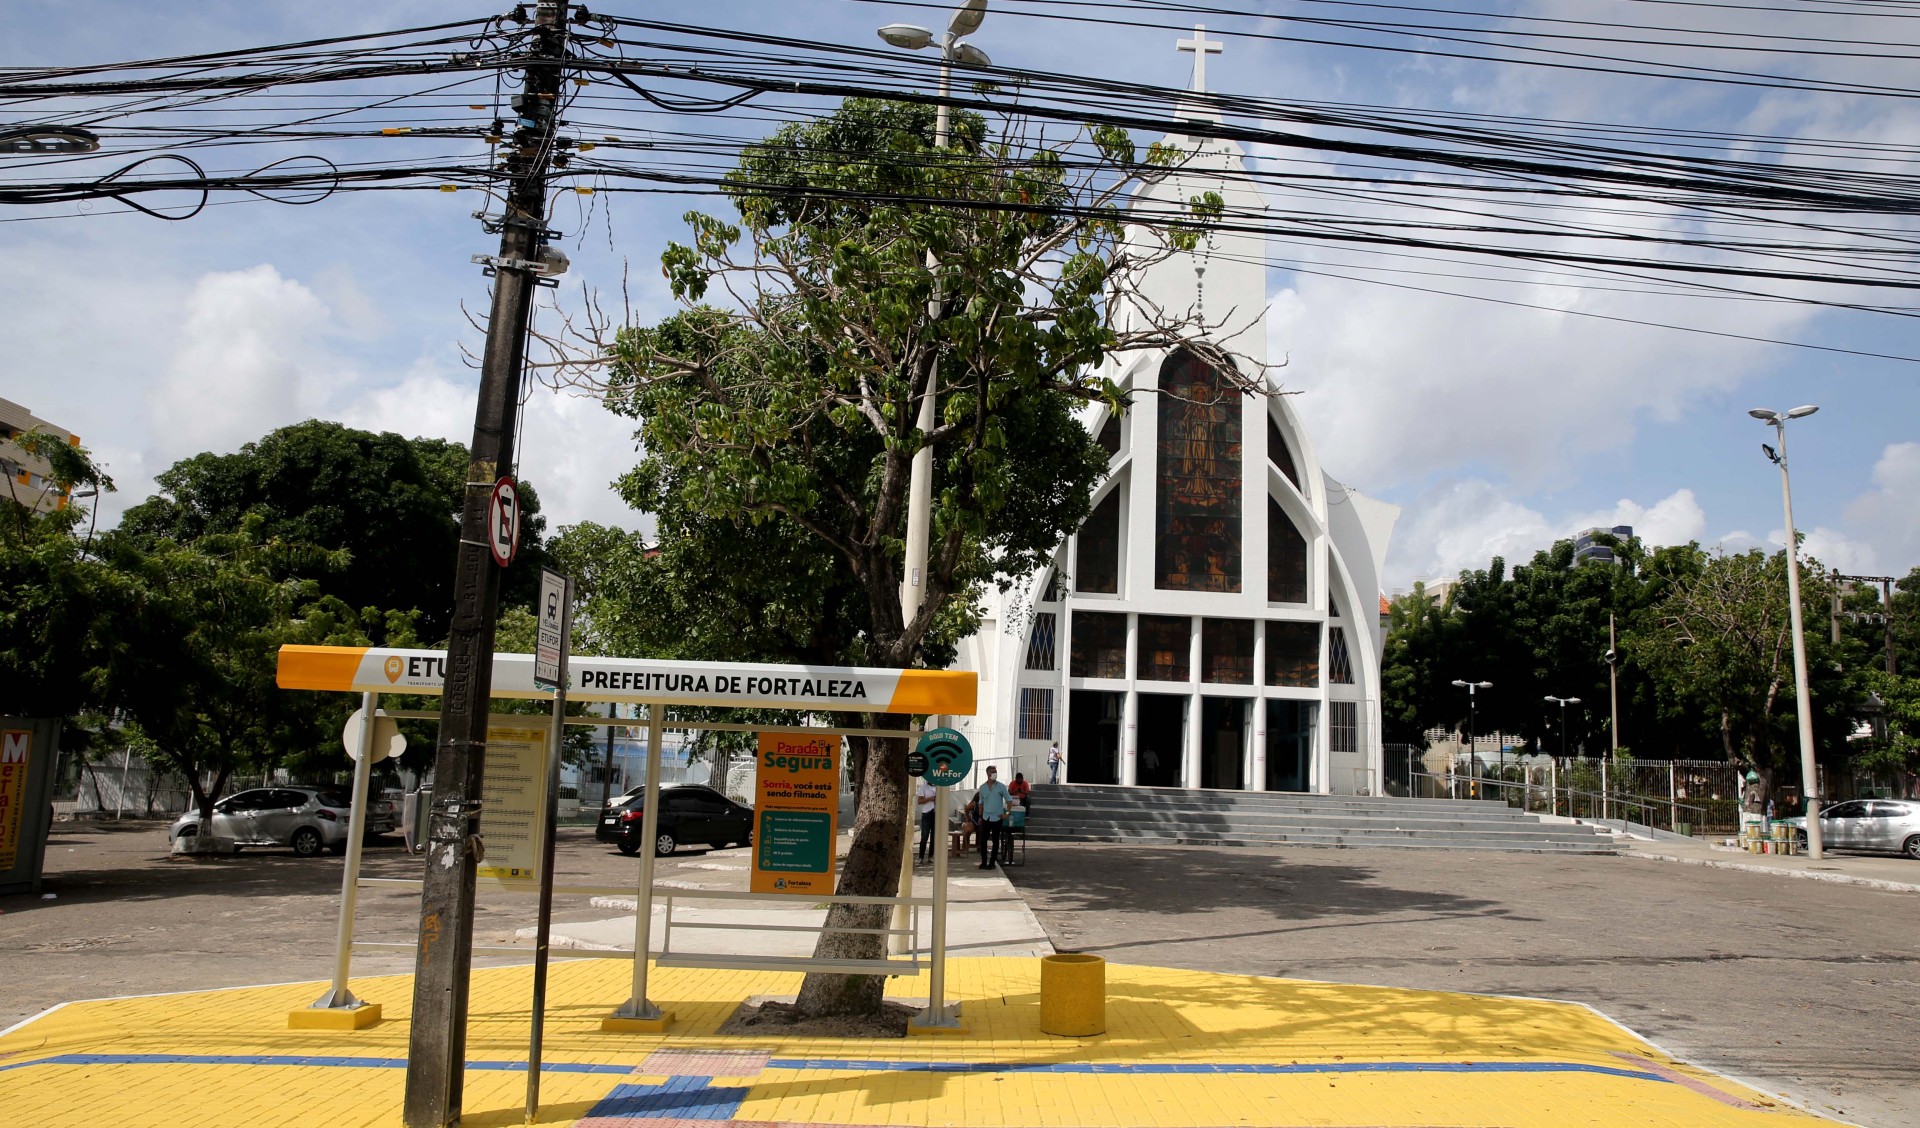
(309, 819)
(1891, 825)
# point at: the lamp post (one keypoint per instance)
(1809, 771)
(1472, 717)
(1563, 702)
(965, 21)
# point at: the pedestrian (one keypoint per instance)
(925, 795)
(1054, 760)
(992, 799)
(1019, 789)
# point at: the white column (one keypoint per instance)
(1130, 710)
(1190, 753)
(1257, 724)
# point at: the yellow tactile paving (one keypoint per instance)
(1182, 1049)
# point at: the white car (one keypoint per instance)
(309, 819)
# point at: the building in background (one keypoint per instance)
(1587, 545)
(1215, 622)
(27, 480)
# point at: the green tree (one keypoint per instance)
(1720, 645)
(60, 604)
(195, 665)
(799, 404)
(390, 503)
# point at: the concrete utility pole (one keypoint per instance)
(1809, 770)
(965, 21)
(436, 1049)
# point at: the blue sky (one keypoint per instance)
(1496, 428)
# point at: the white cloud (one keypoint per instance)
(1465, 524)
(1888, 514)
(570, 447)
(249, 357)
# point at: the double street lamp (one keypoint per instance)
(1809, 771)
(1471, 687)
(1563, 702)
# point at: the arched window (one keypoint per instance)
(1286, 557)
(1097, 563)
(1197, 503)
(1281, 455)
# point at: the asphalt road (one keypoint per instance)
(1807, 988)
(127, 918)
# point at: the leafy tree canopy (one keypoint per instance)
(390, 503)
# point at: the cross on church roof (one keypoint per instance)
(1201, 47)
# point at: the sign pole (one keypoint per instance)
(337, 996)
(937, 978)
(943, 758)
(556, 628)
(637, 1011)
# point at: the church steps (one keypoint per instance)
(1096, 813)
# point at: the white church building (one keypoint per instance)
(1214, 623)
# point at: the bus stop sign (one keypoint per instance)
(949, 756)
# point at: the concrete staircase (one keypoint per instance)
(1095, 813)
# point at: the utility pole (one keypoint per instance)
(436, 1050)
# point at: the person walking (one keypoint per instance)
(1054, 760)
(992, 799)
(925, 796)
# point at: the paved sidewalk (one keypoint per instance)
(1181, 1048)
(985, 916)
(1900, 875)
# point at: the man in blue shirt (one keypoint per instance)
(993, 800)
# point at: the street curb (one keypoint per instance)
(1809, 875)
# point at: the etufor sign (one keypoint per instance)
(795, 812)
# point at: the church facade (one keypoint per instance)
(1214, 623)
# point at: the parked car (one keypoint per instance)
(1867, 824)
(309, 819)
(689, 814)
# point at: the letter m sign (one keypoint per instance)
(13, 746)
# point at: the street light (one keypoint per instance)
(965, 21)
(1563, 702)
(1472, 719)
(1809, 772)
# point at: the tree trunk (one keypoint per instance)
(873, 863)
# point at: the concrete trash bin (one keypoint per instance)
(1073, 995)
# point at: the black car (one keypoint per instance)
(689, 815)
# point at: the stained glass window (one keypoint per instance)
(1281, 455)
(1286, 558)
(1339, 662)
(1053, 588)
(1099, 557)
(1165, 648)
(1040, 644)
(1036, 714)
(1293, 654)
(1110, 435)
(1226, 651)
(1197, 505)
(1099, 645)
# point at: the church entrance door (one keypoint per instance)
(1289, 745)
(1093, 736)
(1223, 742)
(1163, 739)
